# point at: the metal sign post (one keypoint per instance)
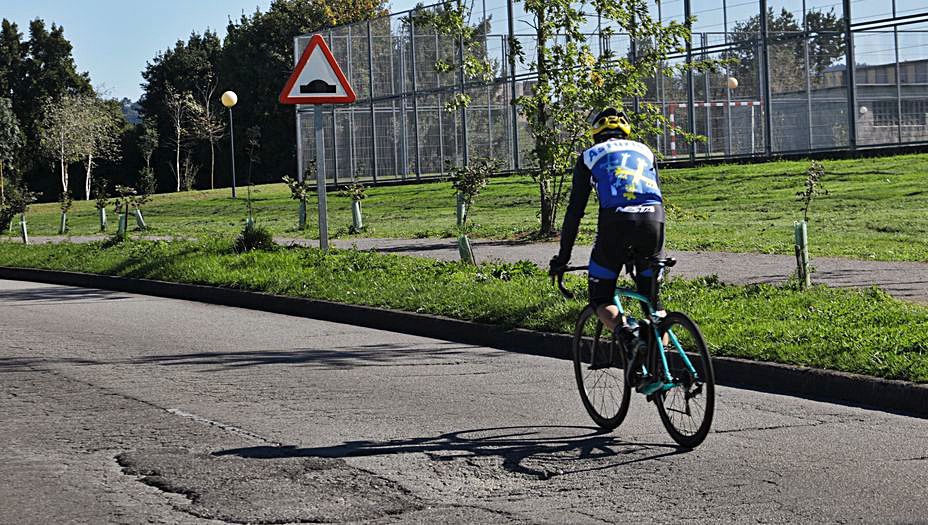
(320, 180)
(317, 79)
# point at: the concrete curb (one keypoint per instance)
(836, 387)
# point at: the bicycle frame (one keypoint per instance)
(655, 319)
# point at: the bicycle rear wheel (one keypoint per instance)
(686, 410)
(599, 366)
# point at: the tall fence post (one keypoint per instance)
(299, 123)
(415, 93)
(765, 80)
(512, 87)
(370, 93)
(463, 93)
(690, 87)
(851, 78)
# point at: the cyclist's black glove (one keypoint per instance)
(556, 266)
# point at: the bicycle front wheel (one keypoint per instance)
(686, 410)
(599, 366)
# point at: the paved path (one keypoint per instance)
(113, 405)
(904, 280)
(901, 279)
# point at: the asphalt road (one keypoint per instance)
(130, 409)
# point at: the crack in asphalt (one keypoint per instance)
(772, 427)
(173, 411)
(224, 426)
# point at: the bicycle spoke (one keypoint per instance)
(602, 390)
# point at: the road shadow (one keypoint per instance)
(59, 293)
(542, 452)
(329, 358)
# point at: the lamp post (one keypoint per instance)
(229, 99)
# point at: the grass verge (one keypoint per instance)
(863, 331)
(875, 209)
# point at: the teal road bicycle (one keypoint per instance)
(675, 371)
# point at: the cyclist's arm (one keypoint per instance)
(576, 208)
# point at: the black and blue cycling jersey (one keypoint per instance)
(623, 173)
(630, 226)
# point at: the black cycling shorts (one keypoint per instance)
(619, 242)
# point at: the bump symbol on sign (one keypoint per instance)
(318, 86)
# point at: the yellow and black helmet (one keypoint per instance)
(610, 123)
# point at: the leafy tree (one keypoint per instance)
(786, 49)
(256, 62)
(11, 140)
(61, 133)
(47, 73)
(572, 80)
(148, 139)
(32, 72)
(18, 199)
(186, 73)
(12, 56)
(102, 125)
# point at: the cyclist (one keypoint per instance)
(630, 227)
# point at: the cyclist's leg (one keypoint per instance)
(603, 274)
(648, 243)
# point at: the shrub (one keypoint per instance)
(17, 201)
(254, 238)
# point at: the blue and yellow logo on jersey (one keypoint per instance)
(623, 171)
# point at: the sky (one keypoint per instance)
(114, 39)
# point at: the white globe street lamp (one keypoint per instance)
(732, 82)
(229, 99)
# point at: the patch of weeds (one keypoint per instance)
(254, 238)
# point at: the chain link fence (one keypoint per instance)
(788, 89)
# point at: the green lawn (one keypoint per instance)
(861, 331)
(876, 209)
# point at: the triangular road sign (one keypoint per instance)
(317, 79)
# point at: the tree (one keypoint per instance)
(188, 70)
(178, 106)
(101, 129)
(786, 49)
(11, 140)
(61, 134)
(32, 72)
(17, 202)
(207, 125)
(571, 80)
(148, 139)
(12, 56)
(256, 62)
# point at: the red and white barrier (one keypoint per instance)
(672, 107)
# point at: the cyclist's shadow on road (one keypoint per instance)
(541, 452)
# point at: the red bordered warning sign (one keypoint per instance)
(317, 79)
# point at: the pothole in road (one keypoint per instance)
(280, 490)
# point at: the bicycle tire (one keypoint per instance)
(598, 380)
(690, 397)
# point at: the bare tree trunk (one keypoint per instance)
(88, 179)
(177, 156)
(212, 164)
(63, 165)
(2, 194)
(64, 174)
(547, 209)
